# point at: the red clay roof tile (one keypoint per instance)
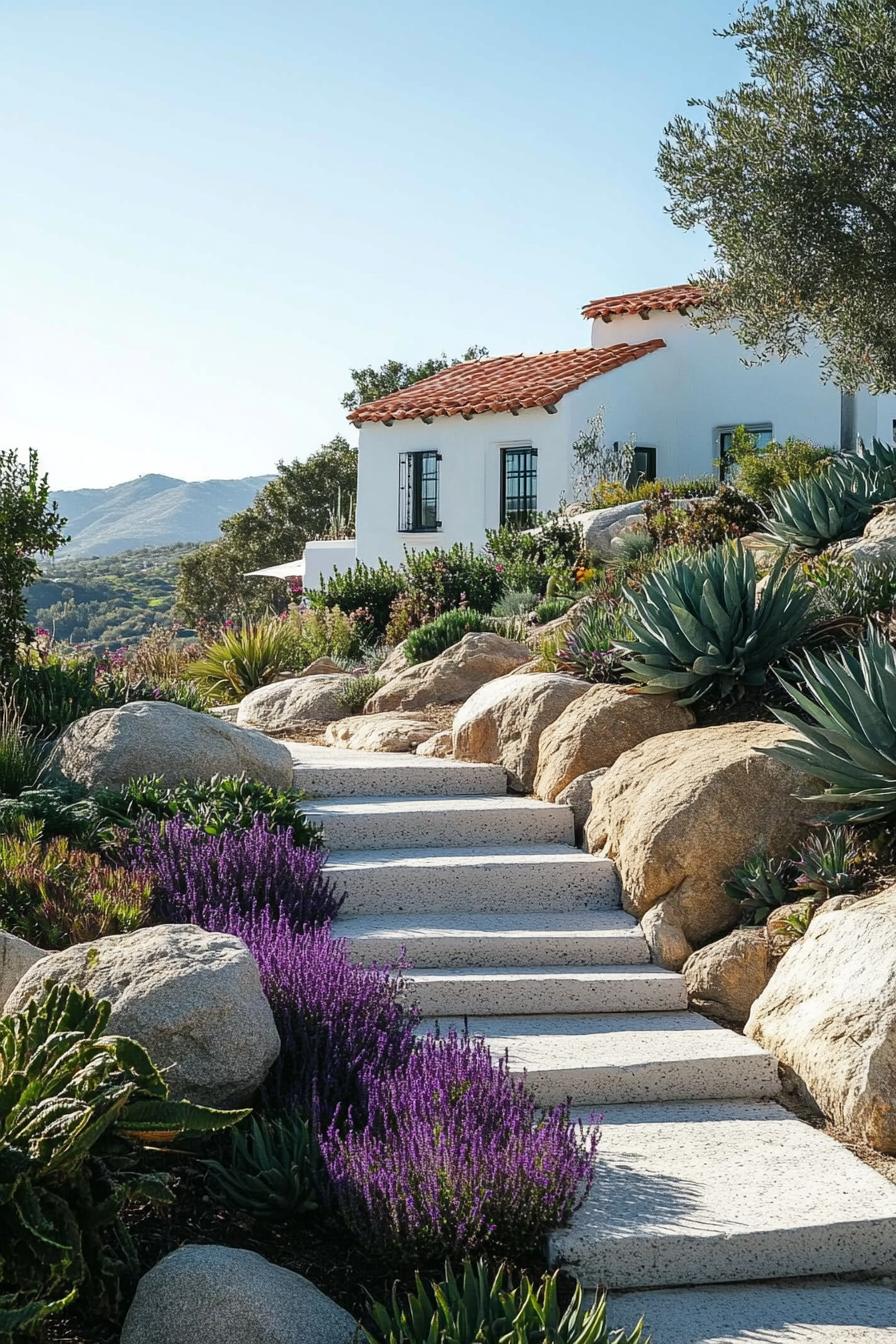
(508, 383)
(666, 300)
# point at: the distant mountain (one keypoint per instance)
(150, 511)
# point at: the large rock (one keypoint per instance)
(601, 526)
(725, 978)
(829, 1014)
(16, 957)
(396, 731)
(877, 543)
(678, 812)
(192, 999)
(285, 706)
(322, 667)
(503, 721)
(452, 675)
(216, 1295)
(597, 728)
(395, 661)
(578, 795)
(151, 737)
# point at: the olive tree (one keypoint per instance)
(793, 175)
(29, 524)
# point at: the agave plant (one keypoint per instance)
(760, 885)
(831, 862)
(274, 1171)
(849, 741)
(493, 1306)
(697, 627)
(835, 503)
(74, 1105)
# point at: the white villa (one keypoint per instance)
(491, 441)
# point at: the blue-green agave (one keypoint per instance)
(698, 628)
(849, 741)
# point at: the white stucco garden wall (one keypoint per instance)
(674, 400)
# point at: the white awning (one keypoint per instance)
(295, 569)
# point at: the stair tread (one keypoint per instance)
(475, 924)
(535, 973)
(719, 1191)
(359, 804)
(820, 1311)
(434, 856)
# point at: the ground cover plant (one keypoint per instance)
(215, 805)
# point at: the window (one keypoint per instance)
(643, 467)
(519, 486)
(762, 434)
(418, 492)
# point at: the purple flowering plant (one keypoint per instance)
(455, 1158)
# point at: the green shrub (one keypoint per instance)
(698, 629)
(219, 804)
(492, 1305)
(607, 494)
(761, 884)
(829, 506)
(58, 811)
(429, 640)
(762, 470)
(75, 1106)
(356, 691)
(848, 734)
(53, 895)
(515, 603)
(710, 522)
(364, 592)
(858, 592)
(21, 754)
(525, 559)
(446, 579)
(52, 694)
(242, 658)
(274, 1171)
(552, 608)
(323, 632)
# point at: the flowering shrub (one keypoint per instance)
(362, 587)
(259, 868)
(455, 1158)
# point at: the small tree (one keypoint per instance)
(595, 460)
(393, 376)
(29, 524)
(791, 174)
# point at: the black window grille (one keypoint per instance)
(418, 492)
(519, 486)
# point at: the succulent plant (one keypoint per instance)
(762, 884)
(493, 1306)
(697, 627)
(274, 1171)
(831, 862)
(849, 740)
(835, 503)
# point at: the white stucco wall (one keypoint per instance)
(322, 557)
(674, 400)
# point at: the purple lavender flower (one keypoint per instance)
(456, 1159)
(260, 868)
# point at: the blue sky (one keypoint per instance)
(211, 211)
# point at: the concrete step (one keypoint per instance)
(540, 938)
(332, 772)
(493, 879)
(488, 992)
(602, 1058)
(720, 1191)
(820, 1311)
(390, 823)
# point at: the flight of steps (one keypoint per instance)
(516, 935)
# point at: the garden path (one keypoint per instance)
(516, 935)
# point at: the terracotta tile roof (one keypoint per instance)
(508, 383)
(665, 300)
